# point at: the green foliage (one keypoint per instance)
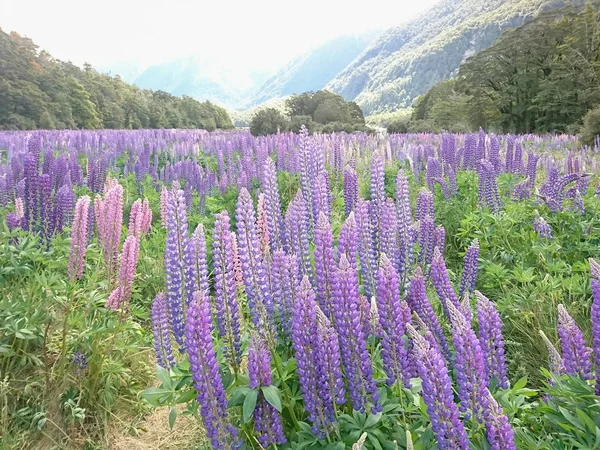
(268, 121)
(406, 61)
(591, 126)
(538, 78)
(37, 91)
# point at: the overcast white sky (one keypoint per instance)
(106, 32)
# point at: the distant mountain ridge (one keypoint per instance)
(405, 61)
(314, 69)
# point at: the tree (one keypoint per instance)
(267, 121)
(591, 126)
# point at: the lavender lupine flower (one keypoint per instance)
(328, 352)
(205, 373)
(394, 315)
(469, 275)
(297, 232)
(497, 427)
(45, 209)
(262, 227)
(19, 208)
(353, 344)
(324, 264)
(491, 340)
(273, 205)
(509, 160)
(517, 163)
(253, 267)
(31, 192)
(198, 241)
(13, 221)
(487, 181)
(349, 239)
(388, 236)
(441, 282)
(426, 235)
(424, 205)
(578, 205)
(320, 196)
(595, 316)
(470, 367)
(575, 353)
(419, 303)
(267, 420)
(433, 172)
(541, 227)
(162, 331)
(285, 275)
(226, 304)
(350, 190)
(439, 238)
(307, 350)
(554, 359)
(521, 191)
(531, 172)
(109, 217)
(437, 394)
(366, 248)
(164, 200)
(405, 241)
(120, 296)
(364, 309)
(377, 187)
(78, 238)
(179, 267)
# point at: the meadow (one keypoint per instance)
(326, 291)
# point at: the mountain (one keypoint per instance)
(312, 70)
(205, 77)
(405, 61)
(38, 91)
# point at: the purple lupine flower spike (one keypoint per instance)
(255, 274)
(388, 236)
(542, 227)
(225, 285)
(201, 268)
(285, 275)
(497, 427)
(366, 248)
(595, 272)
(267, 420)
(162, 331)
(470, 367)
(554, 359)
(324, 264)
(307, 349)
(350, 190)
(575, 353)
(79, 238)
(469, 276)
(273, 205)
(297, 232)
(330, 363)
(394, 315)
(205, 373)
(353, 344)
(437, 394)
(424, 205)
(348, 241)
(419, 303)
(405, 242)
(491, 340)
(441, 282)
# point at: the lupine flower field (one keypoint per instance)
(404, 291)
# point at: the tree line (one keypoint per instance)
(38, 91)
(541, 77)
(320, 111)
